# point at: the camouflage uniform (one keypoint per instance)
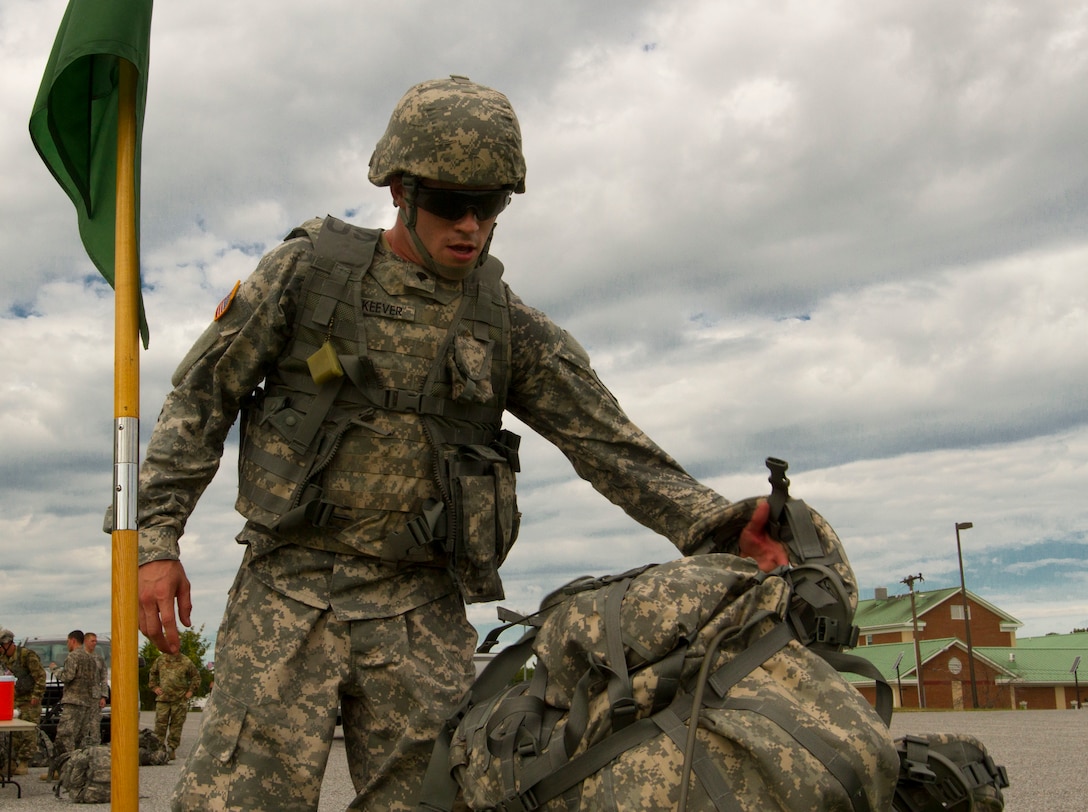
(317, 616)
(79, 700)
(178, 680)
(94, 732)
(27, 667)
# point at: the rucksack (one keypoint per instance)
(624, 663)
(85, 775)
(153, 752)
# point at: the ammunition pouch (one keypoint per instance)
(483, 519)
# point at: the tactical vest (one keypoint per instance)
(24, 680)
(383, 418)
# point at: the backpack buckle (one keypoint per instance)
(523, 802)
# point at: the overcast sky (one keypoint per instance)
(850, 234)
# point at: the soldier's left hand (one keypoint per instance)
(757, 545)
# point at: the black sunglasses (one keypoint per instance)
(453, 204)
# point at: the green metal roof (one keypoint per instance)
(1031, 663)
(883, 656)
(894, 611)
(1078, 640)
(1043, 659)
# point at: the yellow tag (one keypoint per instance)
(324, 365)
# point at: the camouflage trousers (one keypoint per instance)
(281, 668)
(74, 727)
(169, 720)
(24, 744)
(94, 728)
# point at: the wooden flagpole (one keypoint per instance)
(125, 702)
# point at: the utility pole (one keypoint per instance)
(909, 581)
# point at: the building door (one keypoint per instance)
(957, 695)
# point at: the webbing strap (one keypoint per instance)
(805, 542)
(311, 422)
(409, 401)
(852, 663)
(557, 779)
(706, 769)
(750, 659)
(620, 696)
(827, 755)
(592, 760)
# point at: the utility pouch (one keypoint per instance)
(485, 518)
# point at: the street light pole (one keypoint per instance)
(899, 679)
(967, 613)
(1076, 679)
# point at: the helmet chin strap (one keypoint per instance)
(408, 214)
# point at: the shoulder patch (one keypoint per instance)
(228, 300)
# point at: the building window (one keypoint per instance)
(868, 639)
(957, 611)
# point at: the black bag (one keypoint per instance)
(946, 772)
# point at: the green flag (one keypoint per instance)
(74, 121)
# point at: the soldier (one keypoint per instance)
(174, 679)
(25, 665)
(79, 701)
(94, 732)
(371, 370)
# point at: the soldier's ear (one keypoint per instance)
(396, 188)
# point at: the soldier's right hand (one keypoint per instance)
(162, 585)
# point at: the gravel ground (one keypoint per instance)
(1045, 752)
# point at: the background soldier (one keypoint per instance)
(174, 679)
(79, 700)
(25, 665)
(94, 733)
(372, 370)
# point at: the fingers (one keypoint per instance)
(759, 517)
(185, 602)
(161, 585)
(757, 545)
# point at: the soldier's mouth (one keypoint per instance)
(463, 251)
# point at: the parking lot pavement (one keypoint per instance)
(1045, 753)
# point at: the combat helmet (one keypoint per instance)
(452, 130)
(455, 131)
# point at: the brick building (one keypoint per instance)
(1007, 673)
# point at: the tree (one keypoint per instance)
(193, 645)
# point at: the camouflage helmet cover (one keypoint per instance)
(452, 130)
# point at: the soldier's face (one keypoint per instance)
(89, 643)
(455, 243)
